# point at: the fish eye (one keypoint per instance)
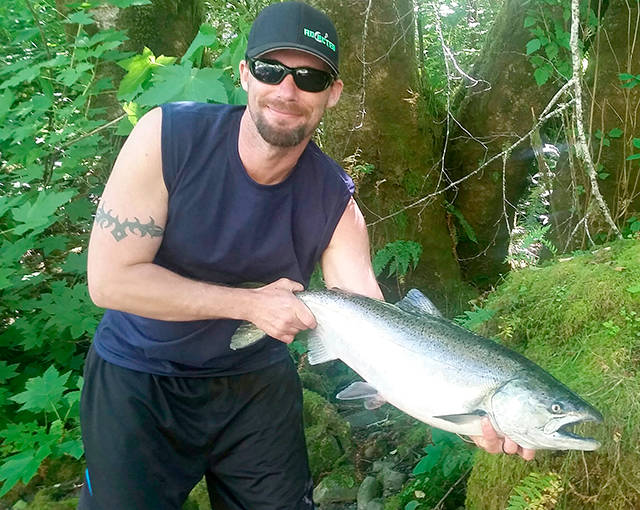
(556, 408)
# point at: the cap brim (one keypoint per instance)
(261, 50)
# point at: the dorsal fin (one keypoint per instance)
(417, 303)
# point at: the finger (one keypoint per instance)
(306, 317)
(287, 339)
(510, 447)
(488, 432)
(527, 454)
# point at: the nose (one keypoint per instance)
(287, 88)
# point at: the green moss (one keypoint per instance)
(328, 436)
(43, 500)
(578, 320)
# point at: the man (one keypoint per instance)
(203, 198)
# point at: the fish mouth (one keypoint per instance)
(561, 431)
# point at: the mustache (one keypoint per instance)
(285, 106)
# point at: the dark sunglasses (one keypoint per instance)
(305, 78)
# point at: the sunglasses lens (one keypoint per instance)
(311, 80)
(305, 78)
(267, 72)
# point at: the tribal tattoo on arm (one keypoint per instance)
(105, 220)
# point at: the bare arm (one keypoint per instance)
(346, 263)
(126, 236)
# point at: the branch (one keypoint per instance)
(582, 148)
(96, 130)
(524, 137)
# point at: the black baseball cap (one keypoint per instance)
(296, 26)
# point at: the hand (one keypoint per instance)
(492, 443)
(278, 312)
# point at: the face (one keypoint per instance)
(284, 115)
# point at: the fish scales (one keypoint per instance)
(438, 372)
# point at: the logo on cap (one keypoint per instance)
(322, 39)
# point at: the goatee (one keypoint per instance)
(279, 137)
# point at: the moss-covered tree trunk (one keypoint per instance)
(612, 116)
(495, 113)
(167, 27)
(384, 137)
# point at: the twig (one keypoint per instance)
(363, 95)
(438, 505)
(96, 130)
(541, 121)
(581, 143)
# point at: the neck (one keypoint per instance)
(265, 163)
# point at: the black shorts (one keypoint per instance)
(149, 439)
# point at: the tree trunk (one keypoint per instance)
(495, 113)
(612, 115)
(382, 134)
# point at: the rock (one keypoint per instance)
(375, 504)
(370, 488)
(392, 480)
(336, 488)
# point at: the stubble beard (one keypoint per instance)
(280, 137)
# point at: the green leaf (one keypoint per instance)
(533, 45)
(205, 38)
(42, 393)
(182, 83)
(616, 133)
(541, 76)
(72, 447)
(7, 371)
(636, 143)
(40, 214)
(6, 100)
(26, 75)
(238, 96)
(139, 69)
(633, 156)
(81, 18)
(529, 21)
(603, 175)
(25, 35)
(21, 467)
(411, 505)
(427, 463)
(635, 289)
(71, 75)
(551, 50)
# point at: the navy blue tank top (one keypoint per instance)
(223, 227)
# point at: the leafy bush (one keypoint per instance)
(57, 146)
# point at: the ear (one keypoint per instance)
(243, 67)
(334, 92)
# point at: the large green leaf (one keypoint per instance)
(139, 70)
(43, 393)
(184, 83)
(40, 214)
(205, 38)
(22, 466)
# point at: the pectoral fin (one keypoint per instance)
(359, 389)
(463, 419)
(318, 352)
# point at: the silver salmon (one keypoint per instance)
(410, 356)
